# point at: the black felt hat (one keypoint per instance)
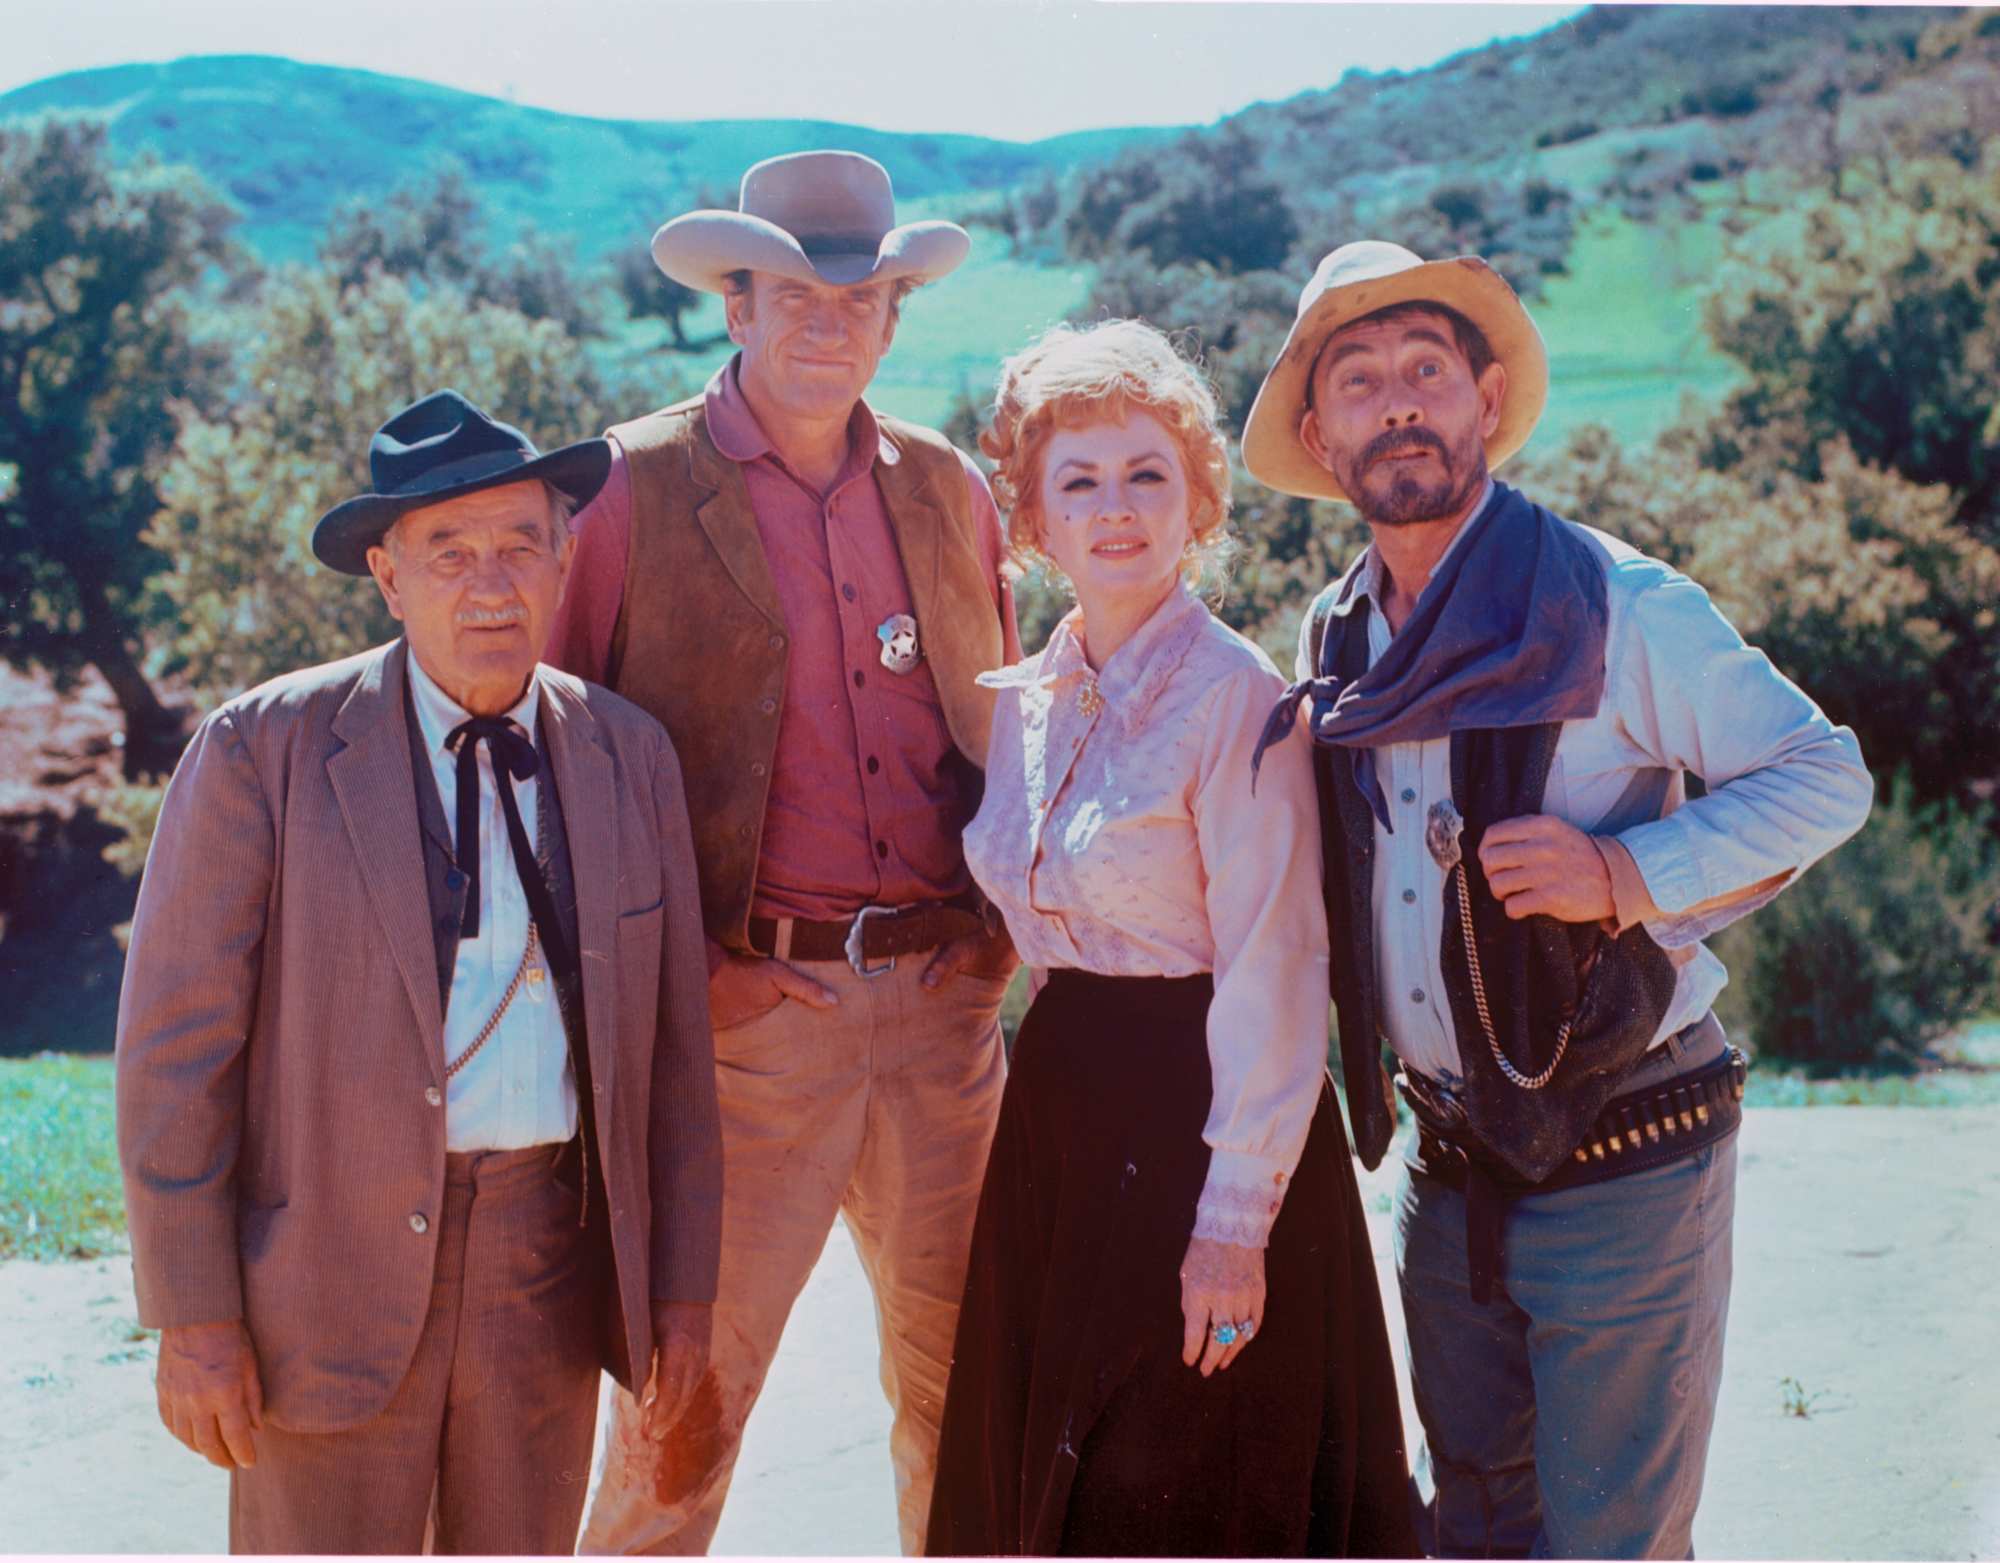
(436, 449)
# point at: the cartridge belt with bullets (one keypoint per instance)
(1660, 1122)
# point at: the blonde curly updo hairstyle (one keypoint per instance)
(1074, 376)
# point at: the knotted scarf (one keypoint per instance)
(1509, 632)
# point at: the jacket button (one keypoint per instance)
(596, 1089)
(418, 1223)
(454, 879)
(433, 1095)
(767, 705)
(447, 925)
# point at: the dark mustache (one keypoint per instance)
(1398, 440)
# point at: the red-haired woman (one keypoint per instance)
(1172, 1340)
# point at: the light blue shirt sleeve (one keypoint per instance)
(1785, 786)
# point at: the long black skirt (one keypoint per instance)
(1072, 1425)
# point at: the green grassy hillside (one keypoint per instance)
(288, 142)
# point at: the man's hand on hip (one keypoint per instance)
(680, 1357)
(981, 954)
(746, 986)
(1539, 865)
(210, 1395)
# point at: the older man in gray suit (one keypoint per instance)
(416, 1096)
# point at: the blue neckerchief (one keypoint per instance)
(1509, 632)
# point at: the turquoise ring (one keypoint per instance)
(1225, 1335)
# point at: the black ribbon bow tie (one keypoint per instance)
(514, 759)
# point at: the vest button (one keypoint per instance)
(1409, 795)
(742, 832)
(767, 705)
(1416, 995)
(756, 767)
(433, 1095)
(1409, 897)
(860, 678)
(418, 1223)
(847, 592)
(777, 643)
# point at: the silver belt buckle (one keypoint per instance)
(855, 957)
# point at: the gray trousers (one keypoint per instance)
(485, 1446)
(1570, 1416)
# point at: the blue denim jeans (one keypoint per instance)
(1570, 1416)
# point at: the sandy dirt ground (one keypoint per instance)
(1866, 1270)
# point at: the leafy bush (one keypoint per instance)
(1878, 951)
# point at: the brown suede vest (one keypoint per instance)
(701, 641)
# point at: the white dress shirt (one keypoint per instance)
(1122, 838)
(519, 1089)
(1683, 693)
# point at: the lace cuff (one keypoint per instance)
(1240, 1200)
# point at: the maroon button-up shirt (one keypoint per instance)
(868, 798)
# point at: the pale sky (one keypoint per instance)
(1018, 69)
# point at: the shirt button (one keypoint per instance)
(1416, 995)
(1409, 795)
(847, 592)
(433, 1095)
(874, 765)
(860, 678)
(767, 705)
(417, 1222)
(1409, 896)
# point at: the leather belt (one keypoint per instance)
(873, 934)
(1635, 1131)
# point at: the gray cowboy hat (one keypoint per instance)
(817, 216)
(439, 448)
(1358, 279)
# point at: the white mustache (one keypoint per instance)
(489, 618)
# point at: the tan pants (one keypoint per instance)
(488, 1436)
(881, 1109)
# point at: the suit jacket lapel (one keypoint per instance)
(375, 785)
(589, 807)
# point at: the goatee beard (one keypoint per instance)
(1409, 499)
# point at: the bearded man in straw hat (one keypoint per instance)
(1507, 709)
(804, 591)
(416, 1106)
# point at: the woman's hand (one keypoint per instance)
(1221, 1284)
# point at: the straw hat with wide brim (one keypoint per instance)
(817, 216)
(1358, 279)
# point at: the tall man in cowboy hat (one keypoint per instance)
(416, 1102)
(1507, 708)
(804, 590)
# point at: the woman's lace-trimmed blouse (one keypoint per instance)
(1118, 835)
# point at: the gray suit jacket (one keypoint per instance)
(280, 1028)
